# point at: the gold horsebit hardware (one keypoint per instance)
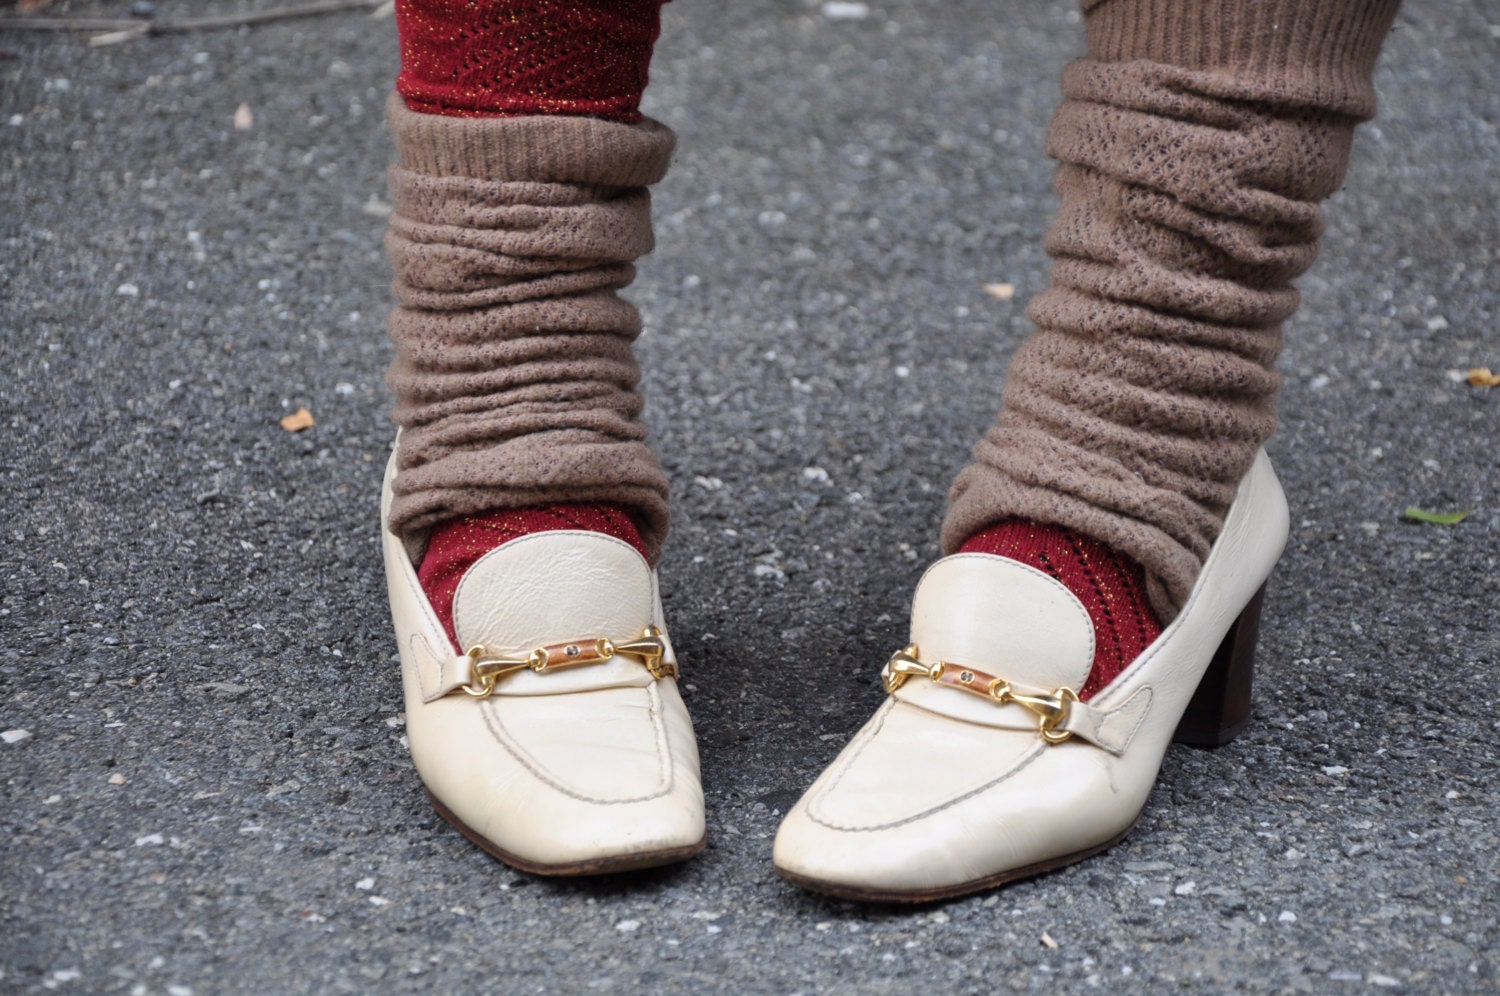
(487, 668)
(1051, 710)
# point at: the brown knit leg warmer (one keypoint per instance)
(1195, 141)
(514, 380)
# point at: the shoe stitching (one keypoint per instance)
(513, 747)
(1141, 719)
(865, 740)
(419, 649)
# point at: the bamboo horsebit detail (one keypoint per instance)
(487, 667)
(1051, 710)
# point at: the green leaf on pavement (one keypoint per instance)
(1439, 518)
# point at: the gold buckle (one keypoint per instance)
(488, 668)
(1052, 710)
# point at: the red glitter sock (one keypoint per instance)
(455, 546)
(1111, 586)
(493, 58)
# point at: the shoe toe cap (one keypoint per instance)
(920, 806)
(569, 779)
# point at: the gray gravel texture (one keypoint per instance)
(214, 796)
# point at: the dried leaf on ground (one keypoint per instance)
(1003, 291)
(1484, 377)
(298, 420)
(1437, 518)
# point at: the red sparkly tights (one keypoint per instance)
(492, 58)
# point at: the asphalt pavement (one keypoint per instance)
(203, 781)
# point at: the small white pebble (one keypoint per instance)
(902, 372)
(15, 736)
(627, 926)
(17, 120)
(52, 800)
(1185, 889)
(365, 883)
(1376, 979)
(128, 290)
(840, 11)
(1287, 916)
(1451, 794)
(117, 779)
(67, 975)
(814, 474)
(1335, 769)
(180, 991)
(343, 387)
(379, 901)
(150, 840)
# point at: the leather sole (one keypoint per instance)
(841, 891)
(594, 866)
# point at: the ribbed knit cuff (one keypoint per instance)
(1315, 52)
(535, 148)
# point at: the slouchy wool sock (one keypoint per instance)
(1195, 143)
(514, 380)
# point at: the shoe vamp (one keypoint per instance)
(909, 764)
(608, 745)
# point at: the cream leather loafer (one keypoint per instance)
(559, 742)
(982, 766)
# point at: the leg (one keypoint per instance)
(522, 506)
(1195, 141)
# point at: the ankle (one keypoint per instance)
(1111, 586)
(455, 546)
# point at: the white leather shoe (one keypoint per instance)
(559, 744)
(982, 767)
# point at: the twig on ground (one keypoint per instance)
(123, 28)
